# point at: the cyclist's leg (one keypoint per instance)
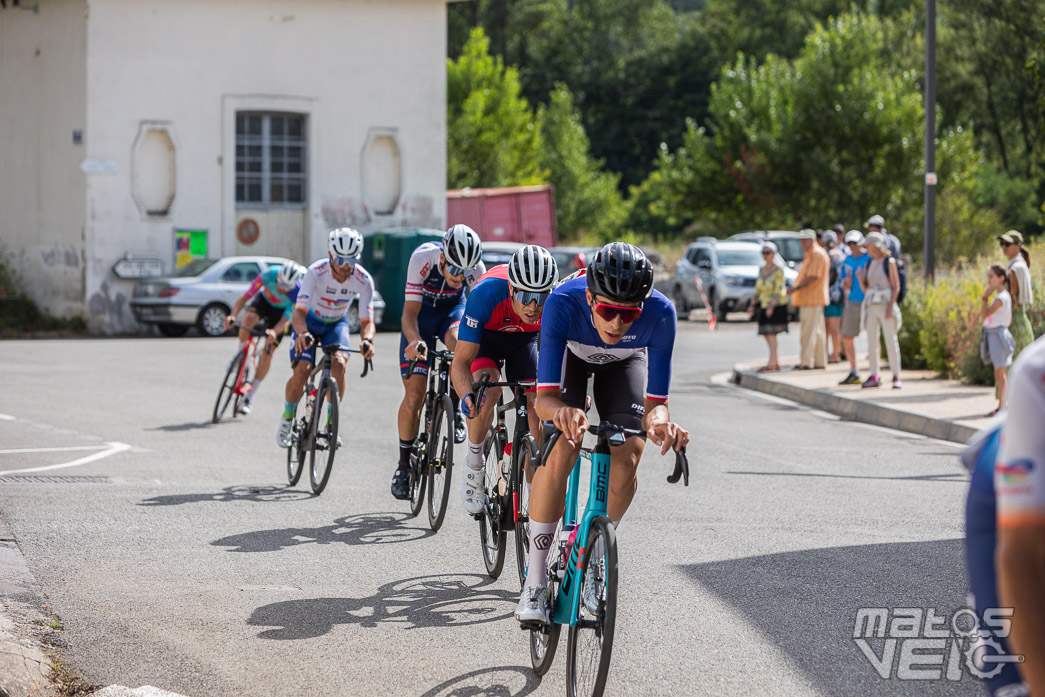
(521, 364)
(338, 334)
(295, 387)
(473, 484)
(414, 384)
(270, 316)
(619, 393)
(448, 334)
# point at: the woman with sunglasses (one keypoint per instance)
(320, 317)
(501, 323)
(1019, 286)
(612, 324)
(770, 306)
(437, 276)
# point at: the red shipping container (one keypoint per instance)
(512, 214)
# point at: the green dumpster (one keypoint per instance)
(386, 254)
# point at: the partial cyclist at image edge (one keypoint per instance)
(269, 299)
(438, 276)
(611, 324)
(502, 323)
(1005, 544)
(320, 318)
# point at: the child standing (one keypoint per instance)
(997, 345)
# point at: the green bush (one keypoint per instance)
(19, 315)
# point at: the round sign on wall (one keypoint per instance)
(248, 231)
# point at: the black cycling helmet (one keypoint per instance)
(621, 272)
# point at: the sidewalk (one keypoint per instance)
(926, 405)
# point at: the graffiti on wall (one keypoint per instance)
(418, 210)
(344, 211)
(414, 210)
(56, 256)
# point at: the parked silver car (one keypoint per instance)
(786, 241)
(571, 259)
(202, 293)
(497, 253)
(727, 271)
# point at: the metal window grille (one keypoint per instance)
(271, 154)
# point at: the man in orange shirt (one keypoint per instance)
(810, 296)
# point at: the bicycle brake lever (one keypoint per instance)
(681, 467)
(367, 366)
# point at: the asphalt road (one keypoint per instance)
(189, 566)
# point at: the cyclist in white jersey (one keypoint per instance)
(1019, 482)
(320, 317)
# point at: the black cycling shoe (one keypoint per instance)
(401, 484)
(460, 432)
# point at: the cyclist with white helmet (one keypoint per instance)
(270, 298)
(502, 321)
(610, 324)
(437, 277)
(320, 317)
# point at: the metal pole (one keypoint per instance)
(930, 140)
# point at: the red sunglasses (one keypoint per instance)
(611, 312)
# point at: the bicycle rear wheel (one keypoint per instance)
(492, 535)
(521, 502)
(591, 639)
(324, 435)
(440, 461)
(228, 387)
(296, 451)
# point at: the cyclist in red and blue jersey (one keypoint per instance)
(437, 277)
(270, 299)
(502, 321)
(320, 318)
(612, 324)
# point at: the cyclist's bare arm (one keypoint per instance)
(409, 326)
(461, 369)
(367, 330)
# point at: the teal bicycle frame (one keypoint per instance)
(566, 602)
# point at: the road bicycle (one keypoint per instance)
(509, 470)
(312, 433)
(239, 375)
(432, 455)
(582, 576)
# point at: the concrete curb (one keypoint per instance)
(859, 410)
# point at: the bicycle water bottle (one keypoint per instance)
(566, 537)
(309, 403)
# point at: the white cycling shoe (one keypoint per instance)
(533, 606)
(473, 489)
(245, 407)
(285, 433)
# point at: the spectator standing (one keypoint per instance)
(854, 301)
(1019, 287)
(880, 281)
(770, 306)
(996, 343)
(835, 295)
(809, 295)
(876, 223)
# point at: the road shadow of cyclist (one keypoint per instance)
(361, 529)
(247, 493)
(443, 600)
(506, 681)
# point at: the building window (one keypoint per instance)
(270, 160)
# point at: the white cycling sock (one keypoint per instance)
(474, 458)
(542, 539)
(254, 385)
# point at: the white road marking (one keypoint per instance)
(53, 450)
(111, 449)
(7, 417)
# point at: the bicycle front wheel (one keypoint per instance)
(228, 388)
(591, 639)
(418, 473)
(492, 535)
(440, 461)
(324, 435)
(521, 501)
(296, 451)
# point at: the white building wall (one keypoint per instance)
(352, 65)
(42, 101)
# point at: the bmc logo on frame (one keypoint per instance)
(913, 643)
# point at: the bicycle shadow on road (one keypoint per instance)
(361, 529)
(247, 493)
(443, 600)
(507, 681)
(187, 426)
(806, 602)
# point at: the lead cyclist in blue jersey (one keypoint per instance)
(612, 324)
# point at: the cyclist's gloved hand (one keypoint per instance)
(367, 347)
(302, 343)
(229, 321)
(468, 406)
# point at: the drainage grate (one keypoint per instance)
(54, 480)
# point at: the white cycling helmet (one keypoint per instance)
(461, 246)
(290, 274)
(345, 242)
(532, 269)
